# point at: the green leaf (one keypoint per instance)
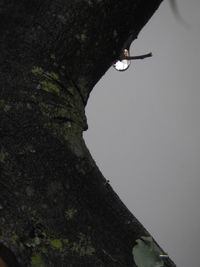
(146, 253)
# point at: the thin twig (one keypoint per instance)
(138, 57)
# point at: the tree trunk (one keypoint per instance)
(56, 208)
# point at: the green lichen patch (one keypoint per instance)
(53, 57)
(90, 3)
(63, 107)
(83, 246)
(3, 156)
(33, 242)
(5, 106)
(44, 250)
(37, 261)
(49, 86)
(14, 238)
(37, 241)
(70, 213)
(83, 37)
(47, 80)
(28, 105)
(37, 70)
(56, 243)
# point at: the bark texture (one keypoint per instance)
(56, 208)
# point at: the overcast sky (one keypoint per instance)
(144, 131)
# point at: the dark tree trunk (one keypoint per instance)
(56, 208)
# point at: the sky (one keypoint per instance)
(144, 131)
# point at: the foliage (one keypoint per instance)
(146, 253)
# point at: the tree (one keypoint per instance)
(56, 208)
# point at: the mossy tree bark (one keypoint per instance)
(56, 208)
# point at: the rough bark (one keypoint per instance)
(56, 208)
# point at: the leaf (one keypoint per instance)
(146, 253)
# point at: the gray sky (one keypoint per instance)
(144, 131)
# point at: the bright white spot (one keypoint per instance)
(123, 64)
